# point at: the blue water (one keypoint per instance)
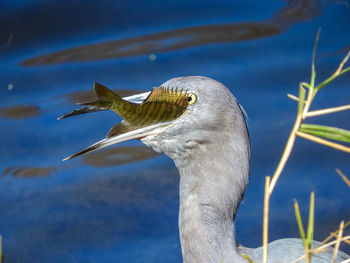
(121, 204)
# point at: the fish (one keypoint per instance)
(160, 107)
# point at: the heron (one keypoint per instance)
(200, 125)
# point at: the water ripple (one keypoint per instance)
(28, 172)
(119, 155)
(20, 111)
(294, 12)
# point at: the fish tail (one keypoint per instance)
(105, 98)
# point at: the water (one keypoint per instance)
(121, 204)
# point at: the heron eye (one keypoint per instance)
(191, 98)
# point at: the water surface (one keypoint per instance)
(121, 204)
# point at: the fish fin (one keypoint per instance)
(155, 94)
(161, 94)
(105, 98)
(103, 93)
(117, 129)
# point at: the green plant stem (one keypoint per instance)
(331, 78)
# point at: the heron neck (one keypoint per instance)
(210, 193)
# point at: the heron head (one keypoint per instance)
(213, 113)
(180, 115)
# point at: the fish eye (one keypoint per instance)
(191, 98)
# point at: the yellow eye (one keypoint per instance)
(191, 98)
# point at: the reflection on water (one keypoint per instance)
(295, 11)
(119, 155)
(340, 51)
(20, 111)
(27, 172)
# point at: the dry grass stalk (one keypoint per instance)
(326, 111)
(292, 97)
(336, 247)
(323, 141)
(266, 218)
(346, 180)
(335, 234)
(304, 105)
(321, 248)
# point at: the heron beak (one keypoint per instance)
(134, 134)
(144, 114)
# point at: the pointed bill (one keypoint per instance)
(134, 134)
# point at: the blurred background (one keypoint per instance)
(120, 204)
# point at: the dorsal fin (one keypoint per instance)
(165, 94)
(156, 93)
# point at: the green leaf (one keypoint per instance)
(313, 72)
(326, 132)
(310, 227)
(300, 222)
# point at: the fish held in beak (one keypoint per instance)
(159, 109)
